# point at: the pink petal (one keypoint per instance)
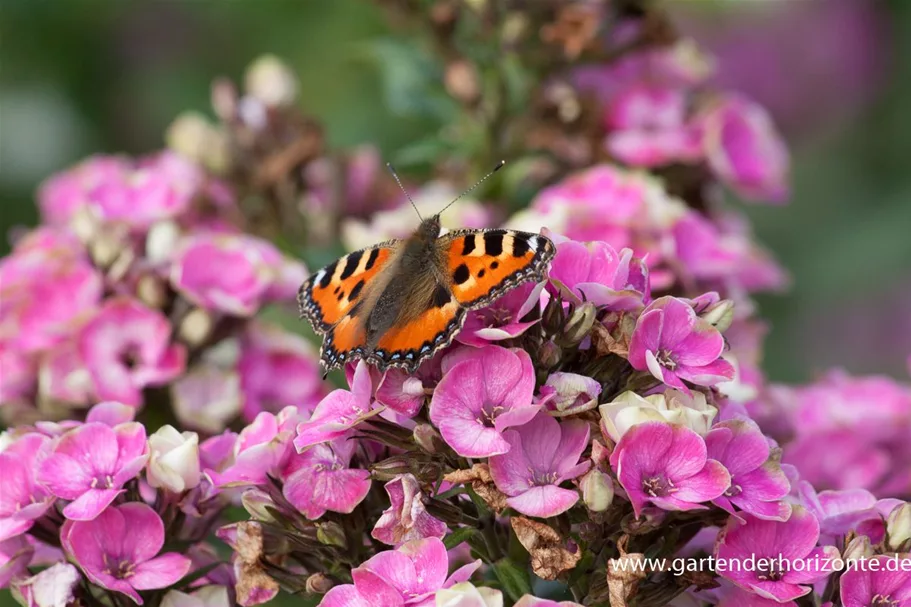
(539, 439)
(511, 471)
(470, 438)
(111, 413)
(544, 501)
(646, 338)
(160, 572)
(739, 445)
(431, 563)
(145, 531)
(345, 595)
(341, 490)
(705, 486)
(93, 444)
(90, 504)
(700, 347)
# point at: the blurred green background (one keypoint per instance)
(82, 76)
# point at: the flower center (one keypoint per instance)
(130, 357)
(881, 600)
(771, 571)
(541, 479)
(734, 491)
(658, 486)
(489, 413)
(496, 317)
(118, 568)
(104, 481)
(665, 359)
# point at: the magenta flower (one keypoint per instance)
(63, 194)
(703, 250)
(667, 465)
(91, 463)
(865, 587)
(744, 149)
(230, 273)
(277, 369)
(405, 393)
(502, 319)
(840, 512)
(406, 518)
(338, 412)
(674, 344)
(117, 550)
(758, 484)
(485, 392)
(261, 449)
(408, 575)
(22, 498)
(319, 479)
(595, 272)
(127, 347)
(543, 454)
(791, 559)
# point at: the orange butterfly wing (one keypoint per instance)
(482, 265)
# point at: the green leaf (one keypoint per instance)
(462, 534)
(513, 579)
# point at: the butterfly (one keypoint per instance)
(397, 303)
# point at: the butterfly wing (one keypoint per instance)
(484, 264)
(332, 299)
(481, 265)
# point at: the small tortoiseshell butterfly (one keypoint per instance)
(397, 303)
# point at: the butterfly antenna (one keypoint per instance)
(499, 166)
(404, 191)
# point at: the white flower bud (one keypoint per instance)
(173, 460)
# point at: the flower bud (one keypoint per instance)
(271, 81)
(549, 355)
(597, 490)
(898, 528)
(255, 502)
(649, 520)
(579, 325)
(720, 315)
(173, 460)
(553, 317)
(391, 467)
(331, 534)
(195, 327)
(161, 242)
(428, 439)
(319, 583)
(151, 291)
(858, 548)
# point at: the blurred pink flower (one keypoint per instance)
(667, 465)
(119, 550)
(126, 347)
(674, 344)
(744, 149)
(407, 576)
(406, 518)
(15, 555)
(840, 512)
(480, 396)
(22, 498)
(758, 485)
(782, 544)
(63, 194)
(543, 454)
(277, 369)
(91, 463)
(319, 479)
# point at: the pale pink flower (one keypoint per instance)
(22, 498)
(597, 273)
(569, 393)
(126, 347)
(52, 587)
(63, 194)
(338, 412)
(485, 392)
(207, 397)
(91, 463)
(782, 544)
(319, 479)
(261, 449)
(543, 455)
(674, 344)
(406, 518)
(118, 550)
(111, 413)
(667, 465)
(409, 576)
(15, 555)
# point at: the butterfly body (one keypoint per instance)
(397, 303)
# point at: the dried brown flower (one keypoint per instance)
(551, 555)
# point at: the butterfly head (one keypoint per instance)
(429, 230)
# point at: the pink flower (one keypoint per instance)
(674, 344)
(705, 253)
(543, 454)
(261, 449)
(117, 550)
(595, 272)
(91, 463)
(52, 587)
(758, 484)
(406, 518)
(781, 545)
(277, 369)
(864, 586)
(647, 127)
(319, 479)
(408, 575)
(207, 397)
(482, 394)
(840, 512)
(156, 188)
(229, 273)
(15, 555)
(338, 412)
(744, 149)
(127, 347)
(22, 498)
(502, 319)
(63, 194)
(111, 413)
(63, 377)
(667, 465)
(405, 393)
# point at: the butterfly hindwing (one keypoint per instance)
(431, 330)
(484, 264)
(333, 292)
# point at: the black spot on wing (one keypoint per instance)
(469, 245)
(481, 273)
(519, 246)
(441, 296)
(327, 276)
(353, 260)
(494, 265)
(493, 242)
(461, 274)
(374, 254)
(356, 291)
